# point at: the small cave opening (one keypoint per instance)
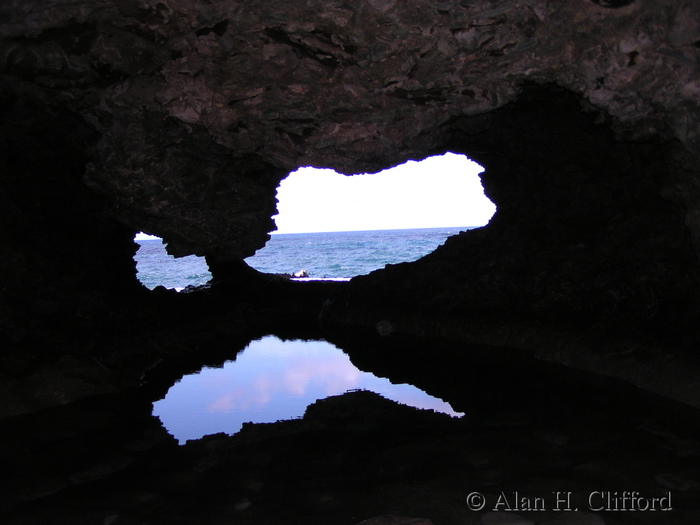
(156, 267)
(334, 227)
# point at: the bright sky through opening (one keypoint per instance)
(440, 191)
(437, 192)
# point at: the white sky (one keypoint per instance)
(437, 192)
(144, 237)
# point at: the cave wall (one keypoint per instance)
(589, 230)
(63, 264)
(588, 260)
(179, 118)
(207, 105)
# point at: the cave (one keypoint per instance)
(565, 330)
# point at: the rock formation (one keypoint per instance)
(180, 118)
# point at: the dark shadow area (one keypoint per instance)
(589, 246)
(530, 427)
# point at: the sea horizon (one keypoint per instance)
(337, 255)
(156, 238)
(380, 230)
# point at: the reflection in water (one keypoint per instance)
(271, 380)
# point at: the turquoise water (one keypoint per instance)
(323, 255)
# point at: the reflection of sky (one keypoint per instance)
(269, 381)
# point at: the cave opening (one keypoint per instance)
(335, 227)
(331, 226)
(156, 267)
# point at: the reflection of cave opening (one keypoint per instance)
(334, 226)
(273, 380)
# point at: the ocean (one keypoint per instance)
(331, 255)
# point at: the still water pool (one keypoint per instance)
(272, 380)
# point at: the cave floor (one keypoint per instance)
(537, 441)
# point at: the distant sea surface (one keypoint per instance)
(333, 255)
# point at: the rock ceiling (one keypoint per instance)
(200, 106)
